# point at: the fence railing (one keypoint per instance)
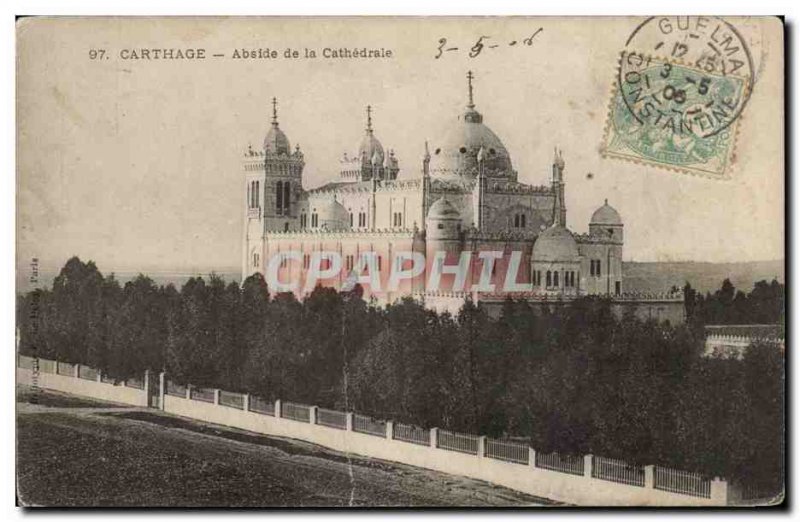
(25, 362)
(368, 425)
(684, 482)
(47, 366)
(332, 418)
(231, 400)
(412, 434)
(134, 382)
(66, 369)
(176, 390)
(617, 471)
(107, 380)
(259, 405)
(201, 394)
(87, 372)
(453, 441)
(298, 412)
(560, 462)
(508, 451)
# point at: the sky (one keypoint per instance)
(137, 164)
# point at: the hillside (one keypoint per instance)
(705, 277)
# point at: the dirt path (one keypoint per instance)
(75, 452)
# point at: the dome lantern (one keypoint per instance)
(276, 141)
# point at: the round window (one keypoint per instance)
(462, 150)
(437, 151)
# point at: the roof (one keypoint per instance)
(276, 141)
(555, 244)
(606, 215)
(443, 209)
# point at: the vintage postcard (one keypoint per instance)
(408, 262)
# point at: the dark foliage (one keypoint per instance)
(575, 379)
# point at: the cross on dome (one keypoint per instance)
(369, 118)
(470, 77)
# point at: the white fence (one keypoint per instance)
(297, 412)
(617, 471)
(368, 425)
(586, 480)
(682, 482)
(412, 434)
(332, 418)
(564, 463)
(453, 441)
(508, 451)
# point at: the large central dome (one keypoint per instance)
(457, 153)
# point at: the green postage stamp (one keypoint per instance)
(677, 100)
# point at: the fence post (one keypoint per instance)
(246, 401)
(277, 408)
(99, 377)
(216, 396)
(146, 388)
(532, 457)
(76, 371)
(587, 466)
(719, 492)
(482, 446)
(162, 385)
(312, 415)
(649, 477)
(348, 421)
(390, 430)
(188, 391)
(434, 437)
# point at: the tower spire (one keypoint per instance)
(369, 119)
(470, 76)
(274, 111)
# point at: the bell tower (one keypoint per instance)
(283, 176)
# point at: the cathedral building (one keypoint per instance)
(461, 205)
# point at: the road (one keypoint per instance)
(79, 452)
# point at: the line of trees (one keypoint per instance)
(764, 304)
(575, 378)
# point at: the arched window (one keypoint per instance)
(549, 279)
(555, 279)
(314, 219)
(279, 197)
(522, 220)
(516, 220)
(287, 200)
(258, 184)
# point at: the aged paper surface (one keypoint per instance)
(400, 261)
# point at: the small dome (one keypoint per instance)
(555, 244)
(443, 209)
(606, 215)
(332, 214)
(276, 141)
(370, 150)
